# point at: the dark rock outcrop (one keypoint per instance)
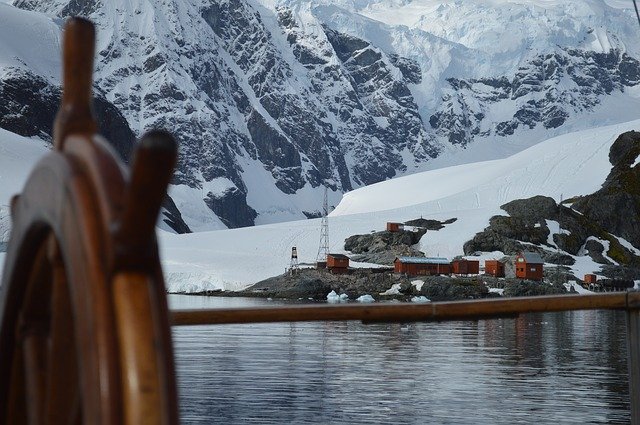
(527, 288)
(616, 206)
(171, 216)
(441, 288)
(381, 241)
(429, 224)
(526, 229)
(316, 284)
(231, 206)
(537, 95)
(30, 105)
(384, 247)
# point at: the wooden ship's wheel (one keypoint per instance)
(85, 334)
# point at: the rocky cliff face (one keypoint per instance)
(37, 102)
(604, 225)
(272, 101)
(544, 92)
(616, 206)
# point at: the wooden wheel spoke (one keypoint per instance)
(33, 331)
(63, 398)
(84, 335)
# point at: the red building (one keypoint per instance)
(590, 278)
(337, 263)
(394, 227)
(529, 265)
(463, 266)
(416, 266)
(494, 268)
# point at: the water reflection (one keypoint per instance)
(539, 368)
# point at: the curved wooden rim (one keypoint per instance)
(81, 259)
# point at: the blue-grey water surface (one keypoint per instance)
(539, 368)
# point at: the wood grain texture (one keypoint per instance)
(64, 292)
(402, 312)
(75, 115)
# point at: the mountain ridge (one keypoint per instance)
(274, 100)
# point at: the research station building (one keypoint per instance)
(421, 266)
(529, 265)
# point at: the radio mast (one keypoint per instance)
(323, 249)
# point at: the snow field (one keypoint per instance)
(573, 164)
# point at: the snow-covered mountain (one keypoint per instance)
(274, 99)
(569, 165)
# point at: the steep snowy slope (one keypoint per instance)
(273, 99)
(29, 40)
(17, 157)
(30, 93)
(573, 164)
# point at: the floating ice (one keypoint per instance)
(365, 299)
(420, 299)
(333, 297)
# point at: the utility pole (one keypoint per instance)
(323, 249)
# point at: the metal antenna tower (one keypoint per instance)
(323, 249)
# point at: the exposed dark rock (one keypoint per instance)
(82, 8)
(526, 229)
(460, 115)
(312, 214)
(276, 151)
(231, 206)
(387, 256)
(442, 288)
(557, 258)
(381, 241)
(619, 193)
(621, 272)
(309, 284)
(37, 102)
(410, 69)
(172, 217)
(527, 288)
(349, 101)
(316, 284)
(429, 224)
(595, 250)
(384, 247)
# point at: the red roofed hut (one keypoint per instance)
(590, 278)
(494, 268)
(337, 263)
(529, 265)
(416, 266)
(394, 227)
(463, 266)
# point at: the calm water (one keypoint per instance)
(540, 368)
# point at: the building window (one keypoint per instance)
(533, 269)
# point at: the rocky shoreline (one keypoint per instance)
(315, 285)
